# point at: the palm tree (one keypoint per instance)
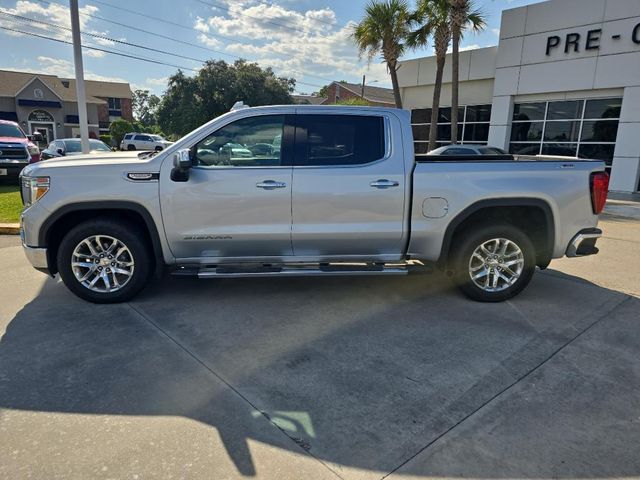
(433, 18)
(464, 15)
(384, 30)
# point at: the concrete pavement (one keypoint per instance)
(325, 378)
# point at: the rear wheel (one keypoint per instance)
(104, 261)
(493, 263)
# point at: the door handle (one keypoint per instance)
(384, 183)
(270, 184)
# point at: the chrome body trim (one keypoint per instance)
(574, 245)
(37, 257)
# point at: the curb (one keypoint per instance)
(9, 229)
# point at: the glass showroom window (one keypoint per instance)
(473, 126)
(574, 128)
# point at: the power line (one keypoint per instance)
(118, 53)
(147, 16)
(139, 30)
(98, 49)
(102, 37)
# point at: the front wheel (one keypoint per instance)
(494, 263)
(104, 261)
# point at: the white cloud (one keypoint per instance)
(496, 31)
(57, 14)
(305, 45)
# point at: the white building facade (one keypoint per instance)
(563, 80)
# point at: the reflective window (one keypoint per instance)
(599, 151)
(478, 113)
(248, 142)
(420, 132)
(476, 132)
(603, 108)
(529, 111)
(564, 110)
(562, 131)
(421, 115)
(341, 140)
(582, 128)
(600, 131)
(473, 125)
(526, 131)
(560, 149)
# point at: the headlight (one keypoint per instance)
(33, 149)
(33, 189)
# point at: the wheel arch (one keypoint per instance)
(66, 217)
(519, 210)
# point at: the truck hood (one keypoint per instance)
(108, 160)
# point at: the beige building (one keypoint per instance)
(48, 104)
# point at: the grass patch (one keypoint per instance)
(10, 204)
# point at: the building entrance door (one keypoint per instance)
(46, 130)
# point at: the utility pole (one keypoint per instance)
(80, 90)
(362, 91)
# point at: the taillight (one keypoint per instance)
(599, 190)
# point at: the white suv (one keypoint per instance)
(143, 141)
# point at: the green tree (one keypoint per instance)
(432, 17)
(383, 30)
(356, 101)
(118, 129)
(189, 102)
(324, 91)
(464, 16)
(145, 105)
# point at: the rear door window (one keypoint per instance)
(335, 140)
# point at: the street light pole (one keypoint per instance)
(80, 90)
(363, 82)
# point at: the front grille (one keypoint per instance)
(13, 152)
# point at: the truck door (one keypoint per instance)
(237, 201)
(348, 186)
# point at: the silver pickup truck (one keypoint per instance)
(306, 190)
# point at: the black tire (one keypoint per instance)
(158, 149)
(131, 147)
(475, 236)
(130, 235)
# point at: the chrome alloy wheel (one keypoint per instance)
(496, 264)
(102, 263)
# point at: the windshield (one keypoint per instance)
(157, 138)
(74, 146)
(10, 130)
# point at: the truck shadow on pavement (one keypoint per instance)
(384, 375)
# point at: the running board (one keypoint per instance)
(241, 271)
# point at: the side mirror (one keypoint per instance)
(60, 151)
(181, 165)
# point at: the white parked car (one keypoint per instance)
(143, 141)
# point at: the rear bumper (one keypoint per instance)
(584, 243)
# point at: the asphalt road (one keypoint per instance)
(325, 378)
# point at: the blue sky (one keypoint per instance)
(305, 39)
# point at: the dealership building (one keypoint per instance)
(563, 80)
